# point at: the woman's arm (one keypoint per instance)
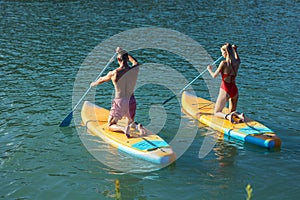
(215, 74)
(236, 55)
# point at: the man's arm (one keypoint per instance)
(133, 61)
(103, 79)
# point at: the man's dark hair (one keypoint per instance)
(124, 57)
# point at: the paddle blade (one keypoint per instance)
(67, 120)
(166, 101)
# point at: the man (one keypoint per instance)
(124, 105)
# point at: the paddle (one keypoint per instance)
(67, 120)
(191, 82)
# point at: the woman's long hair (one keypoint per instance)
(229, 51)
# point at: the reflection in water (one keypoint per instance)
(216, 142)
(225, 153)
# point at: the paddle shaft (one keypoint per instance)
(199, 75)
(110, 61)
(68, 119)
(192, 81)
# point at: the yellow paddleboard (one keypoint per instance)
(249, 131)
(149, 147)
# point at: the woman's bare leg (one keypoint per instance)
(233, 104)
(232, 108)
(220, 104)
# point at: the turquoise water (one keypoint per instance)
(42, 48)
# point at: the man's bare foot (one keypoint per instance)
(141, 129)
(127, 131)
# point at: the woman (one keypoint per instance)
(228, 89)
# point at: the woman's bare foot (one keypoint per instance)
(231, 117)
(242, 117)
(236, 117)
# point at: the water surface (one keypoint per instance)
(42, 47)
